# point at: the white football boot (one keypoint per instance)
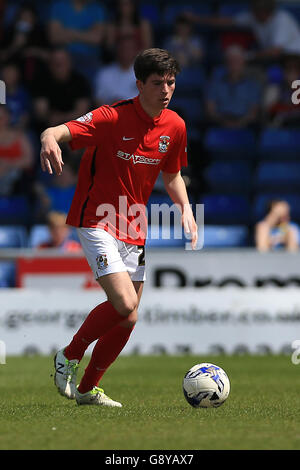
(65, 374)
(96, 396)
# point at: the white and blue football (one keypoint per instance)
(206, 386)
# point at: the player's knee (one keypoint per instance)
(130, 320)
(126, 306)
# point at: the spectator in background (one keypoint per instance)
(62, 94)
(233, 97)
(25, 43)
(185, 46)
(60, 234)
(276, 31)
(16, 156)
(279, 109)
(79, 25)
(276, 230)
(17, 96)
(127, 21)
(117, 81)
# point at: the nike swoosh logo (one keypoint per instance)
(128, 138)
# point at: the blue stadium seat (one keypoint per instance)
(274, 74)
(262, 199)
(191, 80)
(226, 209)
(13, 236)
(229, 176)
(7, 274)
(278, 176)
(234, 143)
(225, 236)
(189, 108)
(14, 210)
(61, 198)
(279, 144)
(151, 12)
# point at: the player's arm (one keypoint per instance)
(175, 187)
(51, 157)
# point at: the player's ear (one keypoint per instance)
(139, 85)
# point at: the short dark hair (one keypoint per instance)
(157, 61)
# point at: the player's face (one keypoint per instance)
(156, 92)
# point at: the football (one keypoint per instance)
(206, 386)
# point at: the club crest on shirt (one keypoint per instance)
(86, 117)
(101, 261)
(163, 144)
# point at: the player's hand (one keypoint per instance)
(190, 226)
(50, 155)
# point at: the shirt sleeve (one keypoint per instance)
(89, 129)
(177, 155)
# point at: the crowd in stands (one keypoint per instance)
(61, 58)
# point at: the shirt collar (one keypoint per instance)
(142, 113)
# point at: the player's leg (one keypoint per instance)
(102, 252)
(108, 347)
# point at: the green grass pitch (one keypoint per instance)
(262, 411)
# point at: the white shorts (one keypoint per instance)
(106, 254)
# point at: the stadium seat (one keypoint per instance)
(262, 199)
(13, 237)
(225, 236)
(61, 198)
(190, 108)
(278, 176)
(191, 80)
(229, 176)
(226, 209)
(151, 12)
(230, 143)
(279, 144)
(274, 74)
(7, 274)
(14, 210)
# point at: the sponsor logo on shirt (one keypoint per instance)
(163, 144)
(138, 158)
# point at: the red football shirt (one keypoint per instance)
(126, 150)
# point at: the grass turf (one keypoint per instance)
(262, 411)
